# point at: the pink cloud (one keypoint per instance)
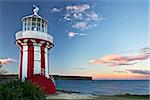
(116, 59)
(137, 71)
(7, 61)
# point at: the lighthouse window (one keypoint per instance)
(42, 21)
(38, 20)
(29, 19)
(35, 29)
(38, 28)
(42, 25)
(46, 28)
(25, 20)
(38, 24)
(29, 23)
(28, 28)
(33, 19)
(33, 23)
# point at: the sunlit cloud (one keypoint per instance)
(74, 34)
(80, 25)
(137, 71)
(67, 17)
(145, 50)
(116, 59)
(79, 16)
(120, 71)
(92, 16)
(82, 34)
(78, 8)
(134, 71)
(56, 10)
(80, 68)
(7, 61)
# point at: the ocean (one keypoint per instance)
(105, 87)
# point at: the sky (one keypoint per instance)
(105, 39)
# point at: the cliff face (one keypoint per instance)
(56, 77)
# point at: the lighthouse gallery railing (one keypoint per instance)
(34, 34)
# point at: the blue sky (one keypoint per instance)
(84, 32)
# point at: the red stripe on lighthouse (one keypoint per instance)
(43, 60)
(21, 56)
(30, 60)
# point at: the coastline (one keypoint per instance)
(62, 94)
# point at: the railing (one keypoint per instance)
(52, 78)
(34, 34)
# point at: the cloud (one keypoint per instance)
(55, 10)
(78, 8)
(79, 16)
(93, 16)
(4, 62)
(137, 71)
(73, 16)
(82, 34)
(80, 68)
(118, 71)
(80, 25)
(145, 50)
(81, 12)
(7, 61)
(67, 17)
(116, 59)
(72, 34)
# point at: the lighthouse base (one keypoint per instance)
(44, 83)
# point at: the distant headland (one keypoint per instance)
(56, 77)
(62, 77)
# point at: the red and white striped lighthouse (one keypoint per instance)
(34, 42)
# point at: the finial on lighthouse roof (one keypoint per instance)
(35, 10)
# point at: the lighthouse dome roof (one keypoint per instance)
(34, 22)
(34, 16)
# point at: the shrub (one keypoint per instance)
(18, 90)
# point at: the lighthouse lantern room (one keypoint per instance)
(34, 42)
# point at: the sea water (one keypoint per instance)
(105, 87)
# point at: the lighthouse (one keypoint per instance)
(35, 42)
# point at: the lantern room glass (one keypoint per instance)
(34, 24)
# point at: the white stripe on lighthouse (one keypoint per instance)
(25, 62)
(46, 63)
(37, 59)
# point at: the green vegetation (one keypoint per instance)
(18, 90)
